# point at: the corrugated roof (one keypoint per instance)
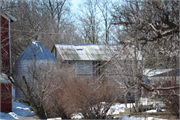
(150, 72)
(36, 51)
(85, 52)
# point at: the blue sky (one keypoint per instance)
(75, 4)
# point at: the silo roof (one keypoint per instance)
(36, 51)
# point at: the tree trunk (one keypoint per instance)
(41, 113)
(136, 97)
(125, 99)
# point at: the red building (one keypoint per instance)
(6, 19)
(6, 88)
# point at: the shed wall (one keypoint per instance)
(83, 68)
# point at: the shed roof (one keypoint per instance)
(36, 51)
(152, 73)
(90, 52)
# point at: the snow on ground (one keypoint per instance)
(77, 116)
(136, 118)
(154, 110)
(116, 108)
(147, 101)
(19, 110)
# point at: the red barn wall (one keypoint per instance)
(5, 53)
(6, 97)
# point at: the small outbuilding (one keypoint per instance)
(89, 59)
(86, 58)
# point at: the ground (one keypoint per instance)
(21, 112)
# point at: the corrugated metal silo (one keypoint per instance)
(35, 54)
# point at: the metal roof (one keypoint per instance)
(90, 52)
(150, 72)
(36, 51)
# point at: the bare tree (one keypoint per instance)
(169, 97)
(33, 81)
(89, 22)
(104, 6)
(160, 18)
(151, 27)
(125, 68)
(63, 27)
(36, 20)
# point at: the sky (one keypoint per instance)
(75, 4)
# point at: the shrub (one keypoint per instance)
(169, 96)
(89, 97)
(54, 102)
(68, 94)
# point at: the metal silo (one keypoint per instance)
(35, 54)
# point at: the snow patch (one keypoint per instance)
(19, 110)
(155, 110)
(77, 116)
(37, 45)
(116, 108)
(135, 118)
(59, 118)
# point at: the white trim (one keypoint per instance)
(10, 47)
(11, 17)
(8, 17)
(5, 16)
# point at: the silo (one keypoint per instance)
(34, 56)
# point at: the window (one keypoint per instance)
(83, 68)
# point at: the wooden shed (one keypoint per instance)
(86, 58)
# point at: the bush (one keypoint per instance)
(54, 102)
(170, 96)
(68, 94)
(89, 97)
